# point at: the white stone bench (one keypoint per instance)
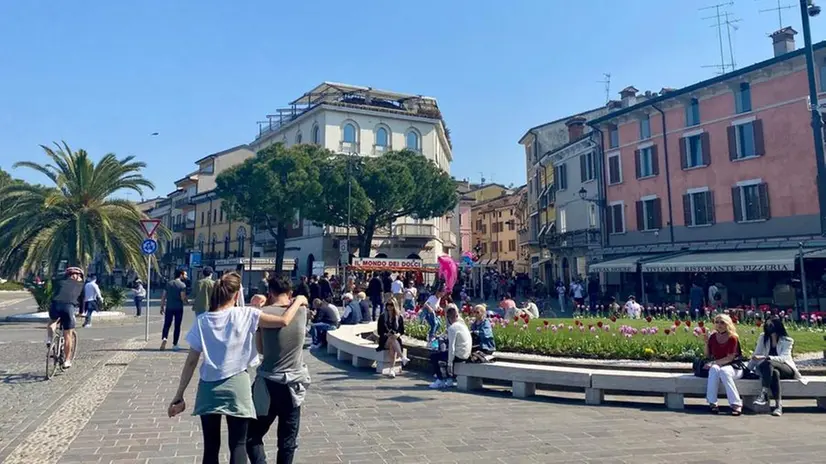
(347, 344)
(674, 387)
(523, 377)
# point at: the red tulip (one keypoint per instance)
(599, 324)
(688, 323)
(734, 319)
(667, 331)
(648, 319)
(515, 318)
(613, 319)
(703, 329)
(677, 322)
(546, 323)
(701, 323)
(759, 323)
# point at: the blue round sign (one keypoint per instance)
(149, 247)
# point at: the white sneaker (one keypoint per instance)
(437, 385)
(391, 374)
(67, 364)
(405, 361)
(449, 383)
(315, 347)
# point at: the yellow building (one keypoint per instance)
(494, 235)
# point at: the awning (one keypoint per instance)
(627, 264)
(778, 260)
(815, 254)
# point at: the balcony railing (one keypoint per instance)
(349, 147)
(526, 237)
(413, 230)
(380, 149)
(182, 202)
(339, 231)
(182, 226)
(449, 238)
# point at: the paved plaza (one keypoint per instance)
(111, 408)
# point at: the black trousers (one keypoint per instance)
(170, 316)
(771, 373)
(441, 357)
(237, 428)
(289, 420)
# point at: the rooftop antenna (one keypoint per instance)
(729, 26)
(606, 79)
(718, 17)
(482, 175)
(779, 9)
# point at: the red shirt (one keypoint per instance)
(721, 350)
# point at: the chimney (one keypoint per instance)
(783, 40)
(576, 127)
(628, 96)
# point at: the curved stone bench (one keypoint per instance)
(673, 387)
(347, 344)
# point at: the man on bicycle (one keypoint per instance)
(66, 297)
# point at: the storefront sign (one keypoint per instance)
(720, 268)
(613, 269)
(387, 263)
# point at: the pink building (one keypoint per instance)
(714, 182)
(727, 159)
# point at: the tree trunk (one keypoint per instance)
(367, 239)
(280, 244)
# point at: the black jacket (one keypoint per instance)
(375, 288)
(387, 326)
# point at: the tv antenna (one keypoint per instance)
(779, 9)
(482, 175)
(721, 20)
(606, 79)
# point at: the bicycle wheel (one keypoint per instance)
(52, 357)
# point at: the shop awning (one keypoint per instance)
(817, 254)
(727, 261)
(627, 264)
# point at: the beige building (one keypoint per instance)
(494, 234)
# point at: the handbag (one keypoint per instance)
(698, 366)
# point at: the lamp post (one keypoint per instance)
(808, 8)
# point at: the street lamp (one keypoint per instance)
(583, 195)
(808, 8)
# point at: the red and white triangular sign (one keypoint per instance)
(149, 226)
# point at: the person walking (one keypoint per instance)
(374, 292)
(139, 295)
(92, 299)
(593, 293)
(225, 336)
(387, 287)
(314, 291)
(173, 300)
(560, 290)
(282, 380)
(203, 292)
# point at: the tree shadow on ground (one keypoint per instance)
(21, 379)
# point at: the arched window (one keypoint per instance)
(316, 134)
(412, 140)
(242, 240)
(349, 133)
(381, 137)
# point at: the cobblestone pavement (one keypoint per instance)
(26, 398)
(354, 416)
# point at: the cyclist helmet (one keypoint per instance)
(73, 270)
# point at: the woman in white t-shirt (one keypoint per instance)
(410, 294)
(225, 336)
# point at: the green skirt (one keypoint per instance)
(229, 397)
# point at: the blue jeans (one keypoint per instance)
(91, 307)
(138, 305)
(378, 306)
(318, 331)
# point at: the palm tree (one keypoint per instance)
(76, 219)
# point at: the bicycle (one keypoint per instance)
(54, 352)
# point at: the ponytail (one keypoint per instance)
(225, 290)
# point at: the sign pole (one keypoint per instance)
(148, 296)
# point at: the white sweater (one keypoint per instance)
(458, 341)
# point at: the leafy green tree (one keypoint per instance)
(272, 188)
(76, 218)
(383, 189)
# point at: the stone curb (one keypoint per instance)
(44, 316)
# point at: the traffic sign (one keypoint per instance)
(343, 246)
(149, 247)
(149, 226)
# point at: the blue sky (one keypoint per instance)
(103, 75)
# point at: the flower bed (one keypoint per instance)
(612, 338)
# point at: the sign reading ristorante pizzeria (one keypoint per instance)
(719, 268)
(387, 263)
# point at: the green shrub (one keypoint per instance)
(11, 286)
(42, 295)
(113, 298)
